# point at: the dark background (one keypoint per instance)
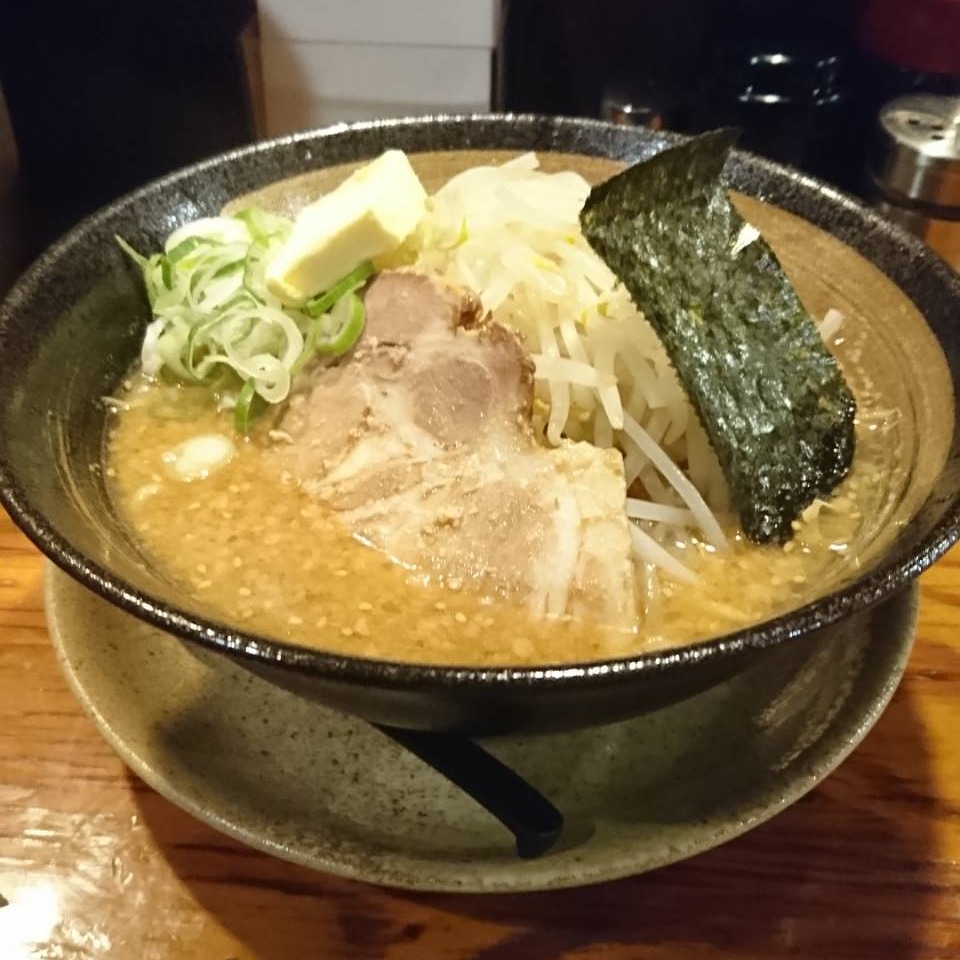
(104, 95)
(802, 80)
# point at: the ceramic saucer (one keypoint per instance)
(328, 791)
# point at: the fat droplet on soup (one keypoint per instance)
(197, 457)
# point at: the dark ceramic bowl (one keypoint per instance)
(72, 327)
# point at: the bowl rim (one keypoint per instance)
(879, 582)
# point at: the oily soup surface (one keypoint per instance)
(252, 549)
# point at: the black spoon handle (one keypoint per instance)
(532, 819)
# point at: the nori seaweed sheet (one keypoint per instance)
(769, 393)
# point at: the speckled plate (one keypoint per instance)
(299, 781)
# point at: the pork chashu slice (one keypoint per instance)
(422, 442)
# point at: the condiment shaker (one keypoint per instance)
(915, 169)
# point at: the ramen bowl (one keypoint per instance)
(71, 329)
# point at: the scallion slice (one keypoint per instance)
(351, 315)
(186, 247)
(263, 226)
(241, 412)
(354, 279)
(215, 321)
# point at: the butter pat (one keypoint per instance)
(371, 213)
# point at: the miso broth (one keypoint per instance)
(252, 549)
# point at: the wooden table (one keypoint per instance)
(94, 864)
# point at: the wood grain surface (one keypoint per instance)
(95, 864)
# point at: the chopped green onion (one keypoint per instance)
(147, 267)
(325, 301)
(241, 412)
(335, 333)
(229, 268)
(216, 324)
(198, 338)
(350, 311)
(152, 278)
(262, 225)
(309, 347)
(186, 247)
(254, 268)
(169, 348)
(138, 258)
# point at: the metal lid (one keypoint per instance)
(917, 152)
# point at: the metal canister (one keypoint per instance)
(915, 169)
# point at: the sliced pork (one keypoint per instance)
(422, 441)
